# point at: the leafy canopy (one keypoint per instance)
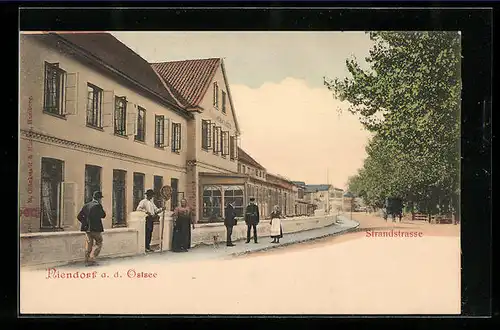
(409, 97)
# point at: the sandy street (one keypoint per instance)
(348, 274)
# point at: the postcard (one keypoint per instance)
(240, 172)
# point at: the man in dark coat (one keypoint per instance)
(252, 219)
(229, 222)
(90, 217)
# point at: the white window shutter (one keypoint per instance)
(71, 94)
(166, 127)
(131, 119)
(107, 108)
(209, 134)
(68, 203)
(179, 137)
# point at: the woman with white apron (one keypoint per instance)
(276, 228)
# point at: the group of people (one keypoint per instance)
(183, 222)
(252, 219)
(92, 213)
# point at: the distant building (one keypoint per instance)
(319, 195)
(336, 200)
(302, 206)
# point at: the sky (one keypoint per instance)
(289, 121)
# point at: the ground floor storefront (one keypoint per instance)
(60, 180)
(217, 190)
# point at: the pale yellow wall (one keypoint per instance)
(252, 171)
(33, 56)
(74, 171)
(148, 159)
(225, 121)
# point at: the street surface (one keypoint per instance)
(346, 274)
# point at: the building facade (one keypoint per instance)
(212, 158)
(303, 207)
(94, 116)
(336, 199)
(319, 195)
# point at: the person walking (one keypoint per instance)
(152, 211)
(229, 222)
(276, 227)
(90, 217)
(252, 219)
(183, 220)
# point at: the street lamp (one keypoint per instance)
(351, 196)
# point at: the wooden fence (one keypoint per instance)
(432, 219)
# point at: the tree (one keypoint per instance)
(409, 97)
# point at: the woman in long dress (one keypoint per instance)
(276, 227)
(183, 220)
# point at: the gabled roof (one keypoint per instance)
(299, 183)
(317, 187)
(247, 159)
(105, 49)
(189, 78)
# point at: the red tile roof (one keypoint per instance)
(105, 48)
(247, 159)
(189, 78)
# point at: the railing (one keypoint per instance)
(439, 219)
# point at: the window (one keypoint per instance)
(212, 203)
(239, 168)
(216, 95)
(234, 194)
(223, 102)
(94, 106)
(119, 198)
(120, 116)
(176, 137)
(138, 189)
(51, 180)
(217, 139)
(141, 125)
(225, 144)
(232, 148)
(157, 184)
(244, 169)
(206, 134)
(174, 184)
(92, 181)
(54, 89)
(159, 131)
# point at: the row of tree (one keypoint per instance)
(409, 98)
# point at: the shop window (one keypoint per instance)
(234, 194)
(119, 198)
(52, 178)
(212, 203)
(92, 181)
(138, 189)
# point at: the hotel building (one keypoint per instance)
(94, 115)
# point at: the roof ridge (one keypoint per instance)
(145, 79)
(188, 60)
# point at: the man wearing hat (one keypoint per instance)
(229, 222)
(147, 206)
(252, 219)
(90, 217)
